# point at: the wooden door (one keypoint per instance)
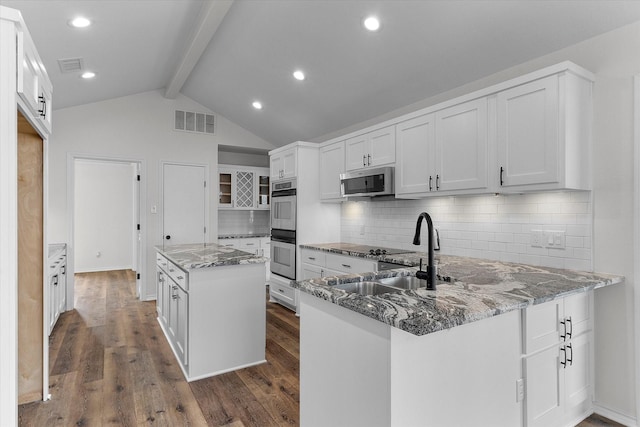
(183, 204)
(30, 263)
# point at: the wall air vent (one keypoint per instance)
(189, 121)
(71, 65)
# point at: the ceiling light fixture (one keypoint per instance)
(88, 75)
(298, 75)
(372, 23)
(257, 105)
(80, 22)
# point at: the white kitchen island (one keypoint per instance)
(211, 307)
(498, 344)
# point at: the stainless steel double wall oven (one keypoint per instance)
(283, 228)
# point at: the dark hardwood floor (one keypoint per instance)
(111, 365)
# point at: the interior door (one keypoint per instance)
(184, 204)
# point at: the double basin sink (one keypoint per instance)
(383, 286)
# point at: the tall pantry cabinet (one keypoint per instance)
(25, 124)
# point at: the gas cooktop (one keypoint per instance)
(375, 250)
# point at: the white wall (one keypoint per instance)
(614, 57)
(103, 216)
(136, 127)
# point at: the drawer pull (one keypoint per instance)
(174, 287)
(346, 265)
(281, 291)
(312, 258)
(180, 277)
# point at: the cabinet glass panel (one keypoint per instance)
(263, 191)
(244, 189)
(225, 189)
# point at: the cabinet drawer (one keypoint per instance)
(178, 275)
(313, 257)
(577, 312)
(283, 292)
(542, 325)
(349, 264)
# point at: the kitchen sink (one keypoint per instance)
(367, 288)
(404, 282)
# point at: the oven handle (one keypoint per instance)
(283, 193)
(283, 240)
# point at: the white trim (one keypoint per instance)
(614, 416)
(636, 234)
(210, 182)
(8, 224)
(71, 158)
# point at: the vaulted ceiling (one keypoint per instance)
(226, 54)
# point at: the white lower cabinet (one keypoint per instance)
(557, 361)
(57, 288)
(316, 264)
(195, 308)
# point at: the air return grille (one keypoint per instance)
(189, 121)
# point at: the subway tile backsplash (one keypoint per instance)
(243, 222)
(494, 227)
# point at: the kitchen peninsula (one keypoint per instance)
(211, 307)
(497, 344)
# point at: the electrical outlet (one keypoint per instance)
(536, 238)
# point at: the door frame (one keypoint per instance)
(207, 190)
(141, 202)
(636, 234)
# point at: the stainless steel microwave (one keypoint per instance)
(367, 182)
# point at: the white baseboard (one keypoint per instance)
(615, 416)
(99, 269)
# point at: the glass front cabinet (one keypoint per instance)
(243, 187)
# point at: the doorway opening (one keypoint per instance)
(105, 225)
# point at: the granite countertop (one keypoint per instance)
(243, 236)
(477, 289)
(194, 256)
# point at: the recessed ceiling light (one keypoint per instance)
(298, 74)
(257, 105)
(88, 75)
(80, 22)
(372, 23)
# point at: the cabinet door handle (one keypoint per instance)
(430, 183)
(43, 101)
(369, 159)
(174, 296)
(63, 269)
(321, 272)
(174, 287)
(364, 160)
(55, 280)
(564, 353)
(346, 265)
(437, 182)
(570, 359)
(501, 176)
(564, 334)
(570, 333)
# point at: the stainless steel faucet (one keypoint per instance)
(430, 273)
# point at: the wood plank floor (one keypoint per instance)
(111, 365)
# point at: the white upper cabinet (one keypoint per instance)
(243, 188)
(331, 166)
(371, 149)
(443, 152)
(33, 84)
(415, 155)
(284, 164)
(461, 147)
(543, 134)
